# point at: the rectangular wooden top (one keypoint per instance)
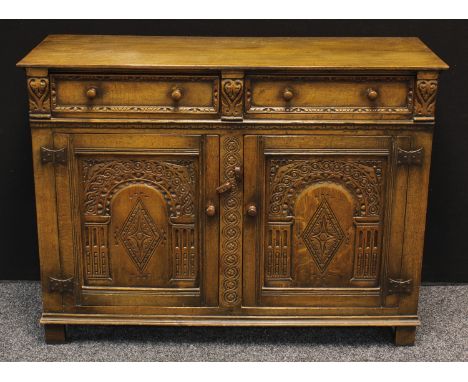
(151, 52)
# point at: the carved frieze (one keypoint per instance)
(231, 229)
(210, 126)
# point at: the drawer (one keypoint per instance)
(159, 96)
(329, 97)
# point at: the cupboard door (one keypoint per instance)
(132, 221)
(324, 222)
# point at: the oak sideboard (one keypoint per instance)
(231, 181)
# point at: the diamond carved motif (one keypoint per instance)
(140, 235)
(323, 235)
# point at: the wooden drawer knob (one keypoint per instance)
(176, 94)
(288, 94)
(91, 93)
(252, 210)
(210, 209)
(372, 94)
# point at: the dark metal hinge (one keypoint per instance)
(53, 156)
(399, 286)
(61, 285)
(410, 157)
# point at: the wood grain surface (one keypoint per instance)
(148, 52)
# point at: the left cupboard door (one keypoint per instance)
(137, 219)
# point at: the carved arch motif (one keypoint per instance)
(102, 178)
(290, 177)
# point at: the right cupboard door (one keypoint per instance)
(324, 220)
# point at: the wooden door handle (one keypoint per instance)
(229, 184)
(226, 186)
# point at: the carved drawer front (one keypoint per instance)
(329, 97)
(156, 95)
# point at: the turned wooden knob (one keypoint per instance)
(210, 209)
(252, 210)
(91, 93)
(288, 94)
(372, 94)
(176, 94)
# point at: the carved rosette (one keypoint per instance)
(39, 97)
(426, 91)
(231, 229)
(232, 98)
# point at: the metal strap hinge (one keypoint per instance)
(410, 157)
(53, 156)
(61, 285)
(399, 286)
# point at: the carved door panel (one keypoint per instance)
(325, 210)
(137, 225)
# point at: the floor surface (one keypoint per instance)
(443, 336)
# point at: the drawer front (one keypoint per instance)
(107, 95)
(329, 97)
